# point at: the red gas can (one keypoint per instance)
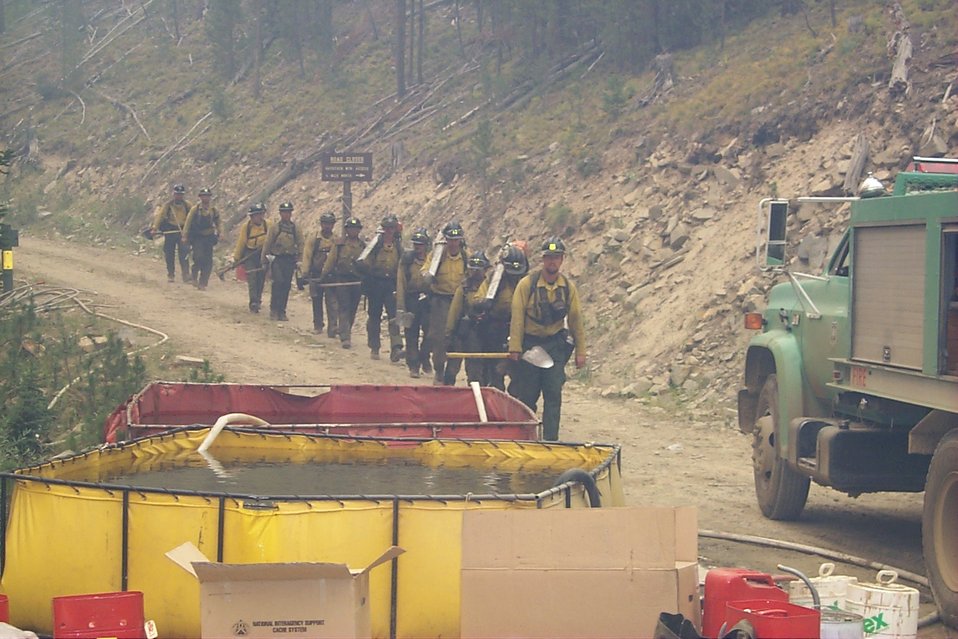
(723, 585)
(4, 609)
(109, 614)
(776, 619)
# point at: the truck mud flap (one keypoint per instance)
(854, 458)
(747, 404)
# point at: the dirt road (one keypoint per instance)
(669, 457)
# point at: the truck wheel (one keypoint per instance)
(939, 534)
(781, 491)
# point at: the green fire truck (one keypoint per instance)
(852, 379)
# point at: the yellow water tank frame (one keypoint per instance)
(68, 533)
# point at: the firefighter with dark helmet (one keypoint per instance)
(169, 219)
(545, 312)
(282, 250)
(248, 253)
(443, 270)
(202, 231)
(461, 332)
(411, 302)
(379, 264)
(318, 247)
(340, 270)
(492, 325)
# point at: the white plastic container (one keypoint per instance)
(838, 624)
(831, 589)
(889, 610)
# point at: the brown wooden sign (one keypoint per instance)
(347, 167)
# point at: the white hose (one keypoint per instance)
(223, 422)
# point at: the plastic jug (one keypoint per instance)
(889, 610)
(723, 585)
(831, 588)
(775, 619)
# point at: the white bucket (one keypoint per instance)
(889, 610)
(838, 624)
(831, 589)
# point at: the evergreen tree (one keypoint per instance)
(223, 18)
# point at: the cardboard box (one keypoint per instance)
(308, 600)
(604, 572)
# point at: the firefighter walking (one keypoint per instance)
(282, 250)
(202, 232)
(379, 268)
(444, 269)
(315, 255)
(340, 271)
(411, 302)
(169, 219)
(546, 313)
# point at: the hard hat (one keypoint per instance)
(327, 218)
(353, 223)
(553, 246)
(389, 220)
(420, 236)
(179, 188)
(477, 260)
(205, 191)
(453, 231)
(258, 207)
(514, 261)
(286, 206)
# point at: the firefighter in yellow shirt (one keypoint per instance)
(249, 253)
(411, 302)
(461, 332)
(546, 313)
(202, 231)
(340, 271)
(379, 268)
(444, 269)
(318, 248)
(282, 249)
(169, 219)
(492, 324)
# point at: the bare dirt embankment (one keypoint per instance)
(677, 456)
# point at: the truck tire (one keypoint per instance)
(939, 527)
(781, 491)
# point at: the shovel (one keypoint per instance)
(537, 356)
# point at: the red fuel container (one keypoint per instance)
(4, 609)
(776, 619)
(723, 585)
(108, 614)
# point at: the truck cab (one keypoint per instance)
(852, 378)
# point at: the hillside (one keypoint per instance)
(654, 186)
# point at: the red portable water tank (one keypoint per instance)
(775, 619)
(108, 614)
(723, 585)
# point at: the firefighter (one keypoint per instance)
(202, 231)
(282, 250)
(249, 253)
(443, 283)
(317, 250)
(340, 271)
(492, 325)
(460, 329)
(546, 313)
(411, 295)
(168, 221)
(379, 268)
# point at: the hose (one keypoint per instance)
(580, 476)
(915, 578)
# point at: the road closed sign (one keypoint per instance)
(347, 167)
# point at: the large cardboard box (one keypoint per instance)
(303, 599)
(605, 572)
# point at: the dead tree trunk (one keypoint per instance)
(900, 46)
(857, 165)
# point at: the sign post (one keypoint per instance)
(347, 167)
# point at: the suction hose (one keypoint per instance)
(588, 481)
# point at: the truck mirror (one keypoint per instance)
(775, 239)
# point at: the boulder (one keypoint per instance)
(702, 214)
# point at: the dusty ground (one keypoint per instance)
(669, 457)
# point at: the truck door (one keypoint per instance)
(949, 298)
